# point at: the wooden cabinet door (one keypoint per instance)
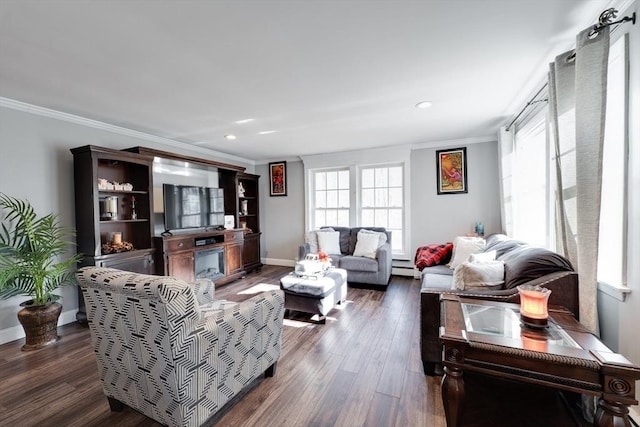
(251, 251)
(181, 266)
(233, 259)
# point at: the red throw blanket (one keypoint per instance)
(427, 256)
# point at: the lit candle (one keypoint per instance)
(533, 305)
(116, 238)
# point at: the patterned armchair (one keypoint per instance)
(169, 350)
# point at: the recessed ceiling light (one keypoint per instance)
(230, 136)
(266, 132)
(424, 104)
(243, 121)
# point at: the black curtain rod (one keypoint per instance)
(603, 21)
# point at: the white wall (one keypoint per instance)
(36, 164)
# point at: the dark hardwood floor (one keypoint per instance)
(360, 369)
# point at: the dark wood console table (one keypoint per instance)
(486, 337)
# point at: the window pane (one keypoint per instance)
(332, 199)
(343, 218)
(332, 217)
(395, 197)
(395, 176)
(612, 211)
(343, 198)
(343, 180)
(367, 178)
(321, 180)
(367, 198)
(319, 219)
(367, 217)
(381, 177)
(397, 242)
(381, 198)
(395, 218)
(332, 180)
(321, 199)
(381, 218)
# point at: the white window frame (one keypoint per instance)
(353, 160)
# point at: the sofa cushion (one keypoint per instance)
(353, 236)
(329, 242)
(344, 238)
(358, 263)
(437, 281)
(463, 247)
(525, 263)
(368, 243)
(486, 275)
(311, 238)
(437, 269)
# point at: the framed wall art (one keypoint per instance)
(278, 179)
(451, 165)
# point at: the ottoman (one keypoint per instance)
(315, 294)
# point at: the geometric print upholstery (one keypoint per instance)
(157, 353)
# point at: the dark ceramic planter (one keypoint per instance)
(40, 323)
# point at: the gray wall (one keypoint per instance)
(36, 164)
(434, 218)
(282, 217)
(439, 218)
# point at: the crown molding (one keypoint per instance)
(83, 121)
(455, 142)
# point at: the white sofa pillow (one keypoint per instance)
(463, 247)
(368, 242)
(484, 275)
(329, 242)
(483, 257)
(311, 238)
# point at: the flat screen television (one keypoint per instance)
(187, 206)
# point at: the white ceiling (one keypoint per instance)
(326, 75)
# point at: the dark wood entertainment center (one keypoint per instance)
(115, 224)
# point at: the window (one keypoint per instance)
(382, 200)
(331, 198)
(530, 177)
(612, 243)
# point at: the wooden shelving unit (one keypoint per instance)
(128, 218)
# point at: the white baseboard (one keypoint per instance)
(16, 332)
(280, 262)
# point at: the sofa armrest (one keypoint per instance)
(204, 290)
(303, 250)
(385, 257)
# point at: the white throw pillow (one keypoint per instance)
(329, 242)
(483, 257)
(368, 243)
(463, 247)
(484, 275)
(311, 238)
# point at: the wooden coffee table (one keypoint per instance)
(487, 337)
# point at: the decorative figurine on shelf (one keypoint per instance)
(134, 215)
(244, 207)
(241, 190)
(479, 229)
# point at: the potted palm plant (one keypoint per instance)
(30, 247)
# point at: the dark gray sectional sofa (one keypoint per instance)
(524, 264)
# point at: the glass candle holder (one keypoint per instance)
(533, 305)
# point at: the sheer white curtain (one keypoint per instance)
(577, 99)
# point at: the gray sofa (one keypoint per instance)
(523, 264)
(359, 269)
